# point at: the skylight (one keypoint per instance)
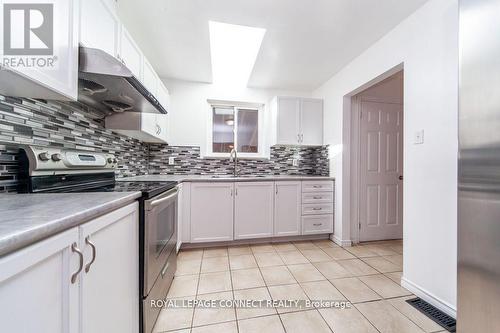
(234, 49)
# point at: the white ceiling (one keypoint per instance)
(307, 41)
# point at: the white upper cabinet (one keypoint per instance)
(163, 96)
(311, 121)
(55, 74)
(253, 210)
(146, 127)
(130, 54)
(149, 78)
(297, 121)
(288, 120)
(99, 27)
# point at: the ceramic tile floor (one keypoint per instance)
(367, 275)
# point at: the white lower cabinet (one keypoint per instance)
(36, 293)
(60, 295)
(211, 212)
(317, 224)
(253, 210)
(287, 208)
(109, 283)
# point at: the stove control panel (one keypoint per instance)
(52, 159)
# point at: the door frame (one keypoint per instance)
(351, 158)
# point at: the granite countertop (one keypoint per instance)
(221, 178)
(28, 218)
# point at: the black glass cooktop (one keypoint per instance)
(148, 189)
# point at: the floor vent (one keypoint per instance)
(434, 313)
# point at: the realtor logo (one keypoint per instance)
(28, 29)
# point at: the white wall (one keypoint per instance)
(189, 107)
(427, 44)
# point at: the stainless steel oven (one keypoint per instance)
(160, 253)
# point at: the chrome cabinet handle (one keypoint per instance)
(92, 245)
(317, 224)
(75, 248)
(317, 186)
(317, 208)
(317, 197)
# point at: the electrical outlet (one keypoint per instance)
(418, 138)
(171, 160)
(295, 162)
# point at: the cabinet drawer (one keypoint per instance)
(316, 209)
(317, 197)
(317, 186)
(317, 224)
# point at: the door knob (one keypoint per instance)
(400, 177)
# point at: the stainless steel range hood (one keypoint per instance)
(108, 85)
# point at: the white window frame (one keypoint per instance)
(236, 105)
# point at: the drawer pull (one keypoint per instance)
(317, 197)
(317, 224)
(317, 186)
(317, 208)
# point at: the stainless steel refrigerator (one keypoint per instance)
(479, 168)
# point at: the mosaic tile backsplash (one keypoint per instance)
(311, 161)
(73, 125)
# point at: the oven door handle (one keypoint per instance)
(169, 195)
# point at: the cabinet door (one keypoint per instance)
(211, 212)
(53, 75)
(311, 122)
(36, 293)
(110, 284)
(162, 129)
(99, 26)
(149, 77)
(130, 53)
(288, 120)
(287, 206)
(253, 210)
(163, 95)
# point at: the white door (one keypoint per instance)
(130, 53)
(110, 284)
(99, 26)
(253, 210)
(381, 171)
(287, 208)
(288, 120)
(311, 127)
(212, 212)
(36, 292)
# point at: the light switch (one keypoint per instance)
(418, 138)
(171, 160)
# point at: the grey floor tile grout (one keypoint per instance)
(300, 250)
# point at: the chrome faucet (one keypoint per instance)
(233, 158)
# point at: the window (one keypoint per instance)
(235, 127)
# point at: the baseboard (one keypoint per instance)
(254, 241)
(340, 242)
(429, 297)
